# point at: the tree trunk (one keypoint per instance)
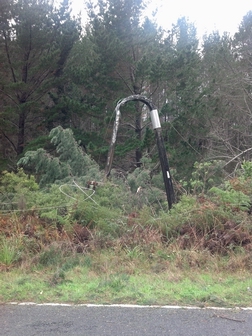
(21, 133)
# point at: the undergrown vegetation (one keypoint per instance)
(67, 233)
(86, 239)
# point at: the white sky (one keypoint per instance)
(221, 15)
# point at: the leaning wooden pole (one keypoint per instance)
(160, 143)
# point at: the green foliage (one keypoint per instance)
(69, 159)
(184, 108)
(71, 153)
(218, 220)
(181, 213)
(50, 256)
(146, 186)
(3, 164)
(15, 182)
(42, 141)
(123, 53)
(148, 139)
(115, 195)
(236, 193)
(51, 75)
(129, 145)
(10, 251)
(44, 166)
(16, 190)
(246, 169)
(52, 205)
(139, 178)
(232, 198)
(202, 224)
(204, 176)
(204, 100)
(92, 142)
(36, 39)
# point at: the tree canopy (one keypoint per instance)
(55, 73)
(36, 40)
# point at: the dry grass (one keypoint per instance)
(208, 238)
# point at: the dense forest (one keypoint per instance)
(60, 83)
(61, 217)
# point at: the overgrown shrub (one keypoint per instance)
(219, 220)
(17, 190)
(204, 176)
(131, 211)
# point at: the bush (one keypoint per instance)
(10, 251)
(204, 176)
(17, 190)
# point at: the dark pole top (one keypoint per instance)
(143, 99)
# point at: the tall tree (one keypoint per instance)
(35, 41)
(242, 45)
(124, 48)
(226, 75)
(183, 94)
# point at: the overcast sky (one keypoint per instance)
(221, 15)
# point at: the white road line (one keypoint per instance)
(124, 306)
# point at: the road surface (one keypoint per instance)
(35, 320)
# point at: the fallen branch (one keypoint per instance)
(228, 318)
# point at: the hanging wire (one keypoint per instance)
(82, 189)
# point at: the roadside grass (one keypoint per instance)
(112, 249)
(110, 276)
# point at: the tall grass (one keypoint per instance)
(10, 251)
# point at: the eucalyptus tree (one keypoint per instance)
(35, 41)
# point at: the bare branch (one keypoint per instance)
(9, 140)
(124, 81)
(12, 99)
(234, 158)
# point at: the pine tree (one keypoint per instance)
(183, 111)
(35, 41)
(67, 161)
(123, 49)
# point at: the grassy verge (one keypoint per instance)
(132, 276)
(113, 249)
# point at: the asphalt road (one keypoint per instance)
(23, 320)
